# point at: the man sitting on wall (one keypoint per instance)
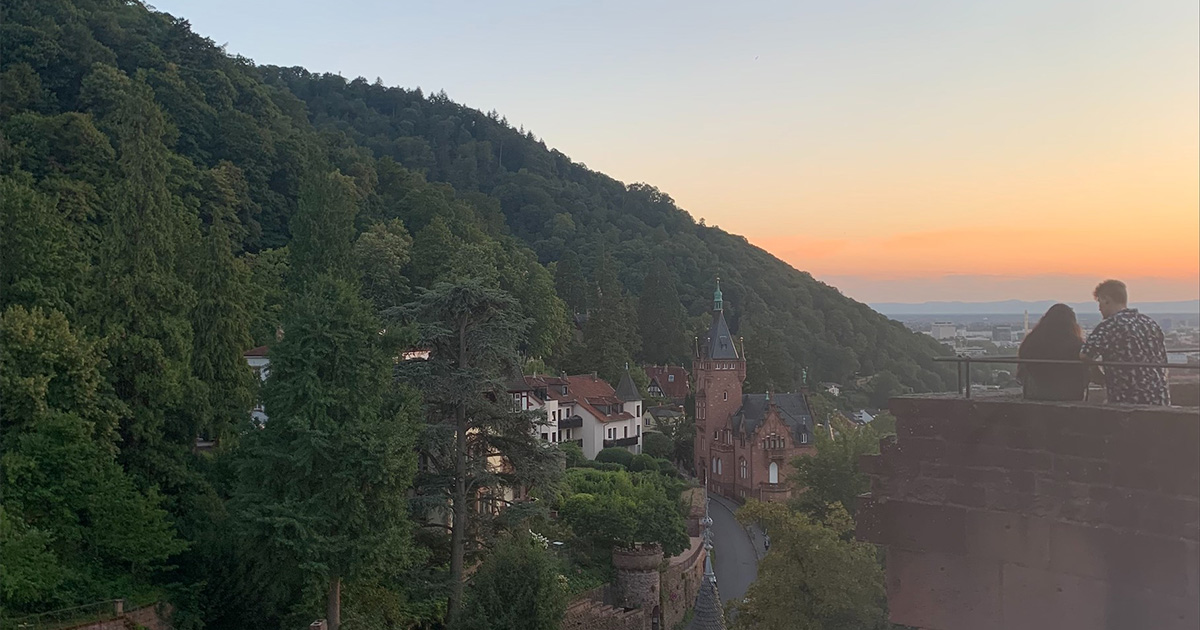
(1127, 336)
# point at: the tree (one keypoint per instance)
(816, 576)
(75, 528)
(616, 455)
(221, 318)
(570, 283)
(661, 319)
(882, 388)
(616, 508)
(139, 297)
(472, 332)
(536, 601)
(41, 263)
(831, 475)
(657, 445)
(323, 484)
(380, 253)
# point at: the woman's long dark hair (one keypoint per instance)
(1057, 335)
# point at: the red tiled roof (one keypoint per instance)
(661, 374)
(585, 390)
(260, 351)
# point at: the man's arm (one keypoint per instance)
(1093, 347)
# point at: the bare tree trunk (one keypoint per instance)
(333, 604)
(459, 532)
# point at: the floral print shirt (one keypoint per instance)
(1130, 337)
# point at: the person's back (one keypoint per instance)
(1056, 336)
(1127, 336)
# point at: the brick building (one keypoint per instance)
(744, 442)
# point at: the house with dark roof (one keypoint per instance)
(669, 382)
(744, 442)
(584, 409)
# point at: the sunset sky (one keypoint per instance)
(900, 150)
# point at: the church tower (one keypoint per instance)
(719, 370)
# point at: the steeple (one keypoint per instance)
(717, 305)
(627, 391)
(708, 613)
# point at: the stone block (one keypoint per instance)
(1122, 558)
(943, 591)
(1009, 537)
(1036, 599)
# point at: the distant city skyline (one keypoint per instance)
(929, 150)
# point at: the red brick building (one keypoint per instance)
(744, 442)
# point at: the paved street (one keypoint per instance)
(736, 562)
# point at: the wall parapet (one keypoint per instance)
(1004, 513)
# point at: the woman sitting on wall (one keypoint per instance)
(1056, 336)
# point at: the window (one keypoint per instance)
(742, 467)
(714, 466)
(639, 411)
(719, 470)
(670, 378)
(568, 434)
(639, 429)
(626, 431)
(545, 438)
(724, 395)
(773, 473)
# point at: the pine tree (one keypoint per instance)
(570, 283)
(139, 297)
(323, 485)
(473, 332)
(661, 319)
(221, 318)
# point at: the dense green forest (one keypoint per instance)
(165, 206)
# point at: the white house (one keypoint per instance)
(584, 409)
(258, 361)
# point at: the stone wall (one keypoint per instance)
(680, 583)
(152, 617)
(637, 581)
(1015, 514)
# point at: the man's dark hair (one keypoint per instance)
(1113, 290)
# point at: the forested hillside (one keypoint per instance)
(165, 206)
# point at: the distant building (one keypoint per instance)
(259, 362)
(831, 388)
(863, 416)
(1002, 333)
(745, 443)
(668, 381)
(583, 409)
(944, 330)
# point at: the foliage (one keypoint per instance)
(615, 455)
(472, 332)
(536, 601)
(74, 525)
(816, 576)
(831, 475)
(642, 462)
(619, 509)
(656, 444)
(323, 485)
(573, 453)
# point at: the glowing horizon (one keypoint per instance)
(890, 149)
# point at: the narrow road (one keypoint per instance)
(736, 563)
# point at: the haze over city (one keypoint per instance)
(899, 151)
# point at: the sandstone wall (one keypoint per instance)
(1014, 514)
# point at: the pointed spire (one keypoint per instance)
(708, 613)
(717, 302)
(627, 391)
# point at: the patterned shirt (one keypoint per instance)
(1130, 337)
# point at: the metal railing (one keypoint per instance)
(963, 365)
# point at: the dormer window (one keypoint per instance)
(670, 378)
(564, 390)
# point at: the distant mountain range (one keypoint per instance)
(1014, 307)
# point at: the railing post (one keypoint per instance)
(968, 364)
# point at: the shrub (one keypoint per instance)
(643, 462)
(615, 455)
(574, 454)
(666, 467)
(657, 445)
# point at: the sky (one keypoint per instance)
(900, 150)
